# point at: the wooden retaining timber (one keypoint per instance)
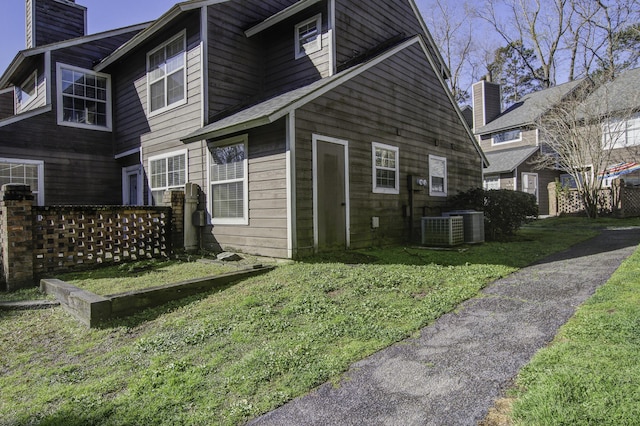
(93, 310)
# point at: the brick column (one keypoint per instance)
(16, 202)
(175, 200)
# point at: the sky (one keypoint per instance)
(102, 15)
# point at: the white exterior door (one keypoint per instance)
(530, 184)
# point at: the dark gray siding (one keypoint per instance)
(399, 102)
(239, 67)
(54, 21)
(134, 126)
(78, 164)
(362, 26)
(6, 104)
(283, 71)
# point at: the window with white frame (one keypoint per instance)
(622, 133)
(437, 176)
(507, 137)
(386, 168)
(27, 91)
(228, 174)
(308, 36)
(491, 182)
(84, 98)
(27, 172)
(167, 75)
(167, 172)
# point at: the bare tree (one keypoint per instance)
(585, 132)
(606, 34)
(452, 29)
(541, 25)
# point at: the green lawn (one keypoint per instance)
(590, 375)
(230, 355)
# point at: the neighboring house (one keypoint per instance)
(309, 125)
(512, 142)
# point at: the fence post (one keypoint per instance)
(553, 199)
(16, 202)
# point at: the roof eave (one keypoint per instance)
(157, 25)
(199, 135)
(280, 16)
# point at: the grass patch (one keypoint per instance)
(141, 275)
(228, 356)
(24, 295)
(591, 372)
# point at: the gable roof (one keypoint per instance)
(623, 94)
(277, 107)
(28, 53)
(529, 108)
(155, 27)
(507, 160)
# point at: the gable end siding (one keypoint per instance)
(400, 102)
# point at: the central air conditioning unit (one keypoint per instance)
(473, 225)
(442, 231)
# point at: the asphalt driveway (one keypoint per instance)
(454, 371)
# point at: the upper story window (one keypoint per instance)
(167, 75)
(27, 92)
(166, 172)
(386, 168)
(84, 98)
(437, 176)
(308, 36)
(229, 182)
(506, 137)
(622, 133)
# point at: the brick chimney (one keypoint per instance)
(52, 21)
(486, 102)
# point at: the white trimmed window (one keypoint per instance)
(167, 74)
(437, 176)
(491, 182)
(228, 174)
(308, 36)
(621, 133)
(167, 172)
(84, 98)
(27, 172)
(27, 92)
(386, 168)
(507, 137)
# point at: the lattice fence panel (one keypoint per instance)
(630, 201)
(66, 237)
(569, 201)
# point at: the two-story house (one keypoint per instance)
(512, 141)
(308, 124)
